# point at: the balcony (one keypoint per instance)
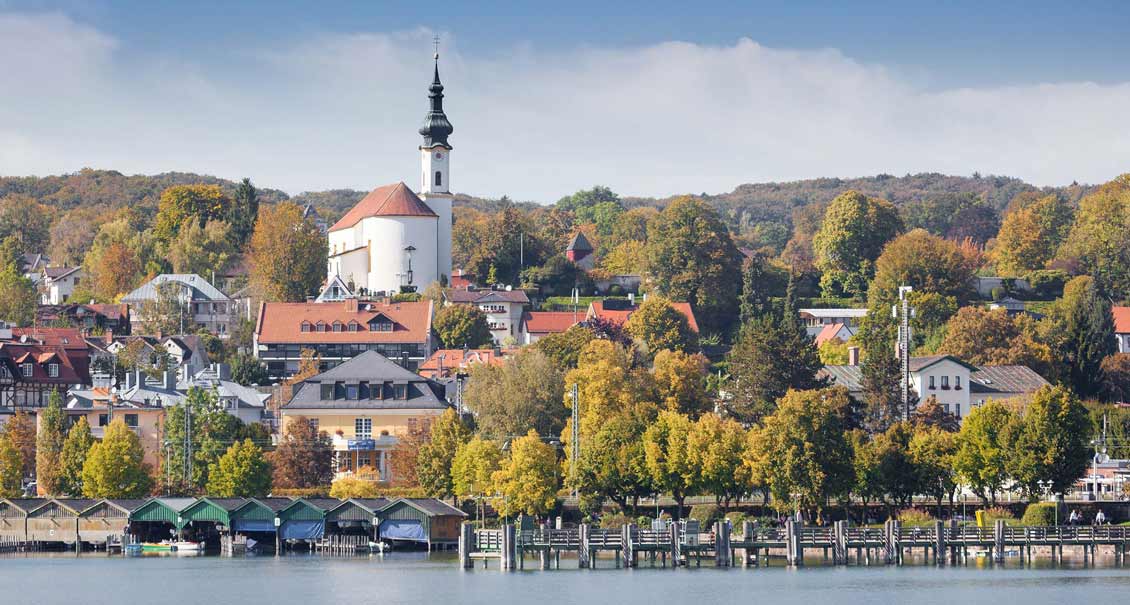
(350, 443)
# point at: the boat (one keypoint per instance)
(180, 546)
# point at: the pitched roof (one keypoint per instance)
(917, 364)
(550, 322)
(580, 243)
(485, 296)
(429, 506)
(282, 322)
(450, 359)
(371, 367)
(387, 200)
(833, 313)
(68, 338)
(600, 308)
(1121, 319)
(198, 286)
(1006, 379)
(830, 331)
(58, 272)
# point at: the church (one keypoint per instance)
(396, 240)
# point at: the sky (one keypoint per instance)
(650, 98)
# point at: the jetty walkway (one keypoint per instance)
(683, 543)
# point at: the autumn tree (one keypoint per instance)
(659, 325)
(287, 254)
(20, 428)
(528, 479)
(114, 264)
(181, 205)
(462, 326)
(852, 235)
(18, 297)
(242, 472)
(667, 456)
(564, 348)
(983, 449)
(203, 249)
(434, 460)
(1031, 235)
(115, 466)
(49, 447)
(680, 382)
(772, 355)
(72, 234)
(522, 393)
(1052, 442)
(1096, 244)
(26, 220)
(473, 467)
(627, 258)
(692, 258)
(73, 457)
(11, 468)
(1116, 377)
(925, 262)
(931, 414)
(716, 448)
(303, 458)
(993, 337)
(931, 455)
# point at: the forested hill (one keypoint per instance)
(745, 206)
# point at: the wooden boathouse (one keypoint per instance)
(422, 520)
(56, 520)
(106, 521)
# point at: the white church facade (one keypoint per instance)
(395, 239)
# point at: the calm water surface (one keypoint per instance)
(408, 578)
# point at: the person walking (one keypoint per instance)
(1100, 518)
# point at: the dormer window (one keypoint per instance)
(53, 370)
(327, 391)
(337, 326)
(321, 327)
(380, 324)
(354, 326)
(402, 391)
(26, 370)
(306, 326)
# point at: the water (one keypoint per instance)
(416, 578)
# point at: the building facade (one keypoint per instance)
(503, 308)
(207, 308)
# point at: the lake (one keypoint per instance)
(95, 579)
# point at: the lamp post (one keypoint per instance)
(1046, 488)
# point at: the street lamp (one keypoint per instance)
(1046, 488)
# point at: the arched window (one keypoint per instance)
(439, 179)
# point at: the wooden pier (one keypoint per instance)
(682, 544)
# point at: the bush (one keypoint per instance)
(615, 290)
(705, 514)
(1047, 283)
(614, 521)
(915, 517)
(989, 516)
(301, 492)
(1039, 513)
(736, 518)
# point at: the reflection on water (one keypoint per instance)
(63, 579)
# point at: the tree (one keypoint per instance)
(27, 221)
(473, 467)
(1086, 325)
(897, 479)
(243, 212)
(353, 487)
(247, 370)
(73, 457)
(242, 472)
(564, 348)
(833, 352)
(528, 479)
(113, 271)
(759, 282)
(801, 452)
(434, 460)
(852, 235)
(1052, 443)
(716, 448)
(692, 258)
(18, 298)
(1095, 245)
(203, 249)
(1030, 236)
(772, 355)
(667, 456)
(404, 457)
(627, 258)
(115, 467)
(167, 312)
(1116, 376)
(924, 261)
(11, 469)
(303, 458)
(680, 382)
(523, 393)
(20, 428)
(660, 326)
(49, 447)
(992, 337)
(183, 204)
(212, 429)
(931, 414)
(72, 235)
(931, 454)
(612, 464)
(983, 449)
(287, 255)
(462, 326)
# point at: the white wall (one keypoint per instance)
(956, 398)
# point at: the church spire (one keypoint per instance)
(436, 126)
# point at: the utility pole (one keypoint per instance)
(902, 313)
(187, 443)
(576, 437)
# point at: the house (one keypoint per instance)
(35, 362)
(1122, 328)
(33, 266)
(310, 213)
(503, 308)
(618, 311)
(835, 331)
(958, 386)
(58, 283)
(186, 354)
(100, 406)
(539, 324)
(244, 402)
(208, 308)
(580, 251)
(334, 290)
(91, 317)
(815, 319)
(339, 331)
(365, 404)
(446, 363)
(460, 280)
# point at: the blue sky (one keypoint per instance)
(651, 98)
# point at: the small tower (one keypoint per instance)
(435, 169)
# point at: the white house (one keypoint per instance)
(56, 284)
(503, 308)
(208, 307)
(395, 239)
(1122, 328)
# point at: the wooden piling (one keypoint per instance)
(583, 552)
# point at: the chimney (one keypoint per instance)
(223, 370)
(351, 305)
(853, 356)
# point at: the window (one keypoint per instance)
(364, 458)
(932, 382)
(380, 326)
(131, 420)
(363, 428)
(321, 327)
(402, 391)
(345, 462)
(5, 372)
(103, 419)
(53, 370)
(351, 391)
(957, 383)
(337, 326)
(305, 326)
(313, 422)
(327, 391)
(957, 410)
(439, 179)
(353, 326)
(945, 382)
(25, 369)
(413, 425)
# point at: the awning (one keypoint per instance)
(403, 529)
(302, 530)
(253, 525)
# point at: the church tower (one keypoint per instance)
(435, 171)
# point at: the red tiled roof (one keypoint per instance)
(388, 200)
(827, 333)
(281, 323)
(70, 338)
(458, 359)
(460, 281)
(74, 365)
(1121, 319)
(550, 322)
(620, 316)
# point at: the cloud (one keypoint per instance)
(330, 111)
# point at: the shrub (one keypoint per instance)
(1047, 283)
(1039, 513)
(615, 290)
(989, 516)
(915, 517)
(736, 518)
(705, 514)
(614, 521)
(301, 492)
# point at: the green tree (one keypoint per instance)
(759, 282)
(26, 220)
(73, 457)
(303, 458)
(523, 393)
(211, 430)
(11, 468)
(661, 326)
(287, 254)
(115, 467)
(717, 447)
(435, 457)
(772, 355)
(1096, 245)
(528, 479)
(931, 455)
(1052, 442)
(983, 449)
(852, 235)
(49, 447)
(203, 249)
(243, 212)
(242, 472)
(692, 258)
(18, 298)
(462, 326)
(898, 479)
(1086, 326)
(564, 348)
(474, 465)
(667, 456)
(247, 370)
(182, 204)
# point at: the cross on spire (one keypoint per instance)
(435, 43)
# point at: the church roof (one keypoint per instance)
(436, 127)
(388, 200)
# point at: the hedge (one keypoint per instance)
(1039, 513)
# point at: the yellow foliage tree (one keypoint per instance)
(528, 480)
